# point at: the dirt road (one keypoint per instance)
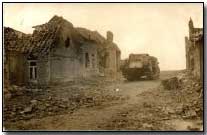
(94, 118)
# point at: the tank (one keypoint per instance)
(140, 66)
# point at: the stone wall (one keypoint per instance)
(194, 59)
(43, 70)
(112, 66)
(16, 68)
(194, 51)
(68, 64)
(112, 57)
(89, 60)
(64, 64)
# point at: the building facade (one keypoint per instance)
(58, 52)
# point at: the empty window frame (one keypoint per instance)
(87, 60)
(32, 69)
(67, 42)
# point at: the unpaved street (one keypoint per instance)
(93, 118)
(138, 105)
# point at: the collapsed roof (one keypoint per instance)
(16, 41)
(90, 35)
(45, 36)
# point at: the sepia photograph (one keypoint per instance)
(103, 66)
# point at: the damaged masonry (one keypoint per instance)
(58, 52)
(194, 51)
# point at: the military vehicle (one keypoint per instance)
(140, 66)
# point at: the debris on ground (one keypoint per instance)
(177, 98)
(171, 83)
(27, 103)
(151, 105)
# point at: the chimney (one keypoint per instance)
(109, 36)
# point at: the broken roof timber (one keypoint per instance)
(45, 36)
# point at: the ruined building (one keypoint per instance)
(194, 51)
(58, 52)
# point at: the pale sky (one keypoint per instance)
(155, 28)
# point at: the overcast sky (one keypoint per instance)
(158, 29)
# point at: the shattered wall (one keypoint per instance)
(194, 51)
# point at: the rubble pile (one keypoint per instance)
(13, 91)
(171, 83)
(178, 98)
(192, 97)
(187, 94)
(26, 103)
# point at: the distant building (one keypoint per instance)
(194, 51)
(58, 52)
